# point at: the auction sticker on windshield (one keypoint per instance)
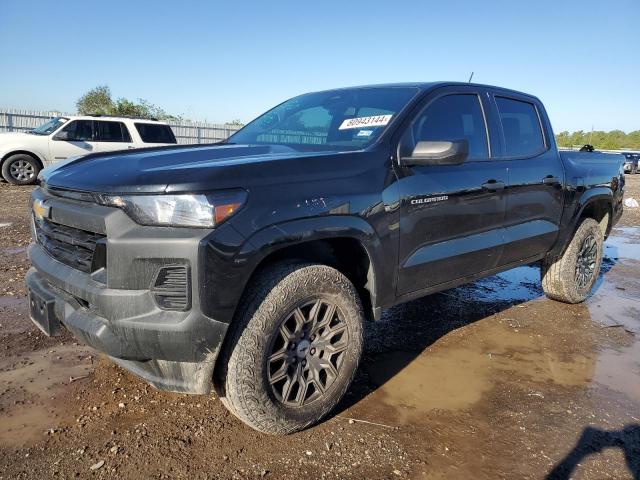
(373, 121)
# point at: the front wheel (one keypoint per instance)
(20, 169)
(294, 349)
(571, 277)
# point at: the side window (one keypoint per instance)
(521, 126)
(453, 117)
(111, 132)
(80, 131)
(155, 133)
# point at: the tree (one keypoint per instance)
(98, 101)
(95, 101)
(613, 140)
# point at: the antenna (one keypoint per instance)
(470, 77)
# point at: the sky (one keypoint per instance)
(220, 61)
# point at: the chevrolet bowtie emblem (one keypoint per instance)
(40, 210)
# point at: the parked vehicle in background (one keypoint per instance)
(23, 155)
(631, 163)
(250, 266)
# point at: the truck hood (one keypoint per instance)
(182, 169)
(12, 137)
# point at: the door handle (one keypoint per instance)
(550, 180)
(493, 185)
(130, 147)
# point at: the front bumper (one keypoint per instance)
(172, 350)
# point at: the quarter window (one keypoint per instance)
(111, 132)
(155, 133)
(521, 127)
(449, 118)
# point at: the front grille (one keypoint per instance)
(72, 246)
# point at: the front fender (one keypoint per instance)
(10, 149)
(230, 277)
(276, 237)
(270, 239)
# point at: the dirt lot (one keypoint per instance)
(490, 380)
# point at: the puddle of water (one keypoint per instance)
(612, 306)
(516, 285)
(619, 370)
(460, 368)
(624, 242)
(457, 374)
(34, 381)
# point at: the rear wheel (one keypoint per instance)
(294, 350)
(571, 277)
(20, 169)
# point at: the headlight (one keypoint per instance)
(181, 210)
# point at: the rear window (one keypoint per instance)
(154, 133)
(521, 126)
(111, 132)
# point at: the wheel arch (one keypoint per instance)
(23, 152)
(597, 204)
(348, 244)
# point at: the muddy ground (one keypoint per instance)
(490, 380)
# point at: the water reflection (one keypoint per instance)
(447, 352)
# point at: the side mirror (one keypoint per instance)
(438, 153)
(62, 136)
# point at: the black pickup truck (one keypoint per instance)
(250, 266)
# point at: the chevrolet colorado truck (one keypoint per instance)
(249, 267)
(24, 154)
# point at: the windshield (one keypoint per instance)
(349, 119)
(50, 126)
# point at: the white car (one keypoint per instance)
(23, 155)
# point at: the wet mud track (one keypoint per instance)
(489, 380)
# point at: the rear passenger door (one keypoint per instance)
(450, 215)
(534, 195)
(112, 135)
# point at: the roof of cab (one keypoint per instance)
(432, 85)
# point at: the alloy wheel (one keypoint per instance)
(586, 264)
(307, 353)
(21, 170)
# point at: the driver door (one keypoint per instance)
(79, 140)
(451, 216)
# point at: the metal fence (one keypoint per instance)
(16, 120)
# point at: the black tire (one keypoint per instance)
(571, 277)
(248, 383)
(21, 169)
